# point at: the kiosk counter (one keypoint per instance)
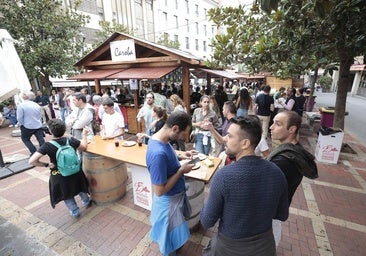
(106, 165)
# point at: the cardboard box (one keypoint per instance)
(329, 146)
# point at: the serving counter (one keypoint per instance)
(129, 156)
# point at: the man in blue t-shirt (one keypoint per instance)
(169, 228)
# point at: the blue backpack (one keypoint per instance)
(68, 162)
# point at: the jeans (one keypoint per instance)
(73, 207)
(26, 134)
(13, 120)
(63, 112)
(205, 149)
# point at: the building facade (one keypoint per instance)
(185, 21)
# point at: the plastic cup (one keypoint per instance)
(116, 143)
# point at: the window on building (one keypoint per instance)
(187, 25)
(187, 43)
(205, 13)
(187, 6)
(176, 4)
(213, 31)
(197, 46)
(149, 4)
(166, 2)
(176, 21)
(204, 46)
(176, 38)
(197, 31)
(363, 81)
(196, 11)
(165, 17)
(205, 29)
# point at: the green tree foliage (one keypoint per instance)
(297, 36)
(47, 36)
(108, 28)
(164, 40)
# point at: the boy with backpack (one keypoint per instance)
(66, 176)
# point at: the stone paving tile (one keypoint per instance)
(342, 204)
(298, 200)
(297, 237)
(337, 174)
(345, 241)
(20, 194)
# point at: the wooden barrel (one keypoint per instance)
(107, 178)
(195, 194)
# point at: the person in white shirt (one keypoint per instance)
(145, 113)
(112, 122)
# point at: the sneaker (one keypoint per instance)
(11, 125)
(88, 203)
(75, 213)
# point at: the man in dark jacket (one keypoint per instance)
(293, 160)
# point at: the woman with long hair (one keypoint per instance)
(244, 102)
(201, 119)
(178, 103)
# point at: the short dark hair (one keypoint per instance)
(152, 95)
(230, 106)
(293, 119)
(108, 102)
(180, 118)
(156, 87)
(267, 88)
(250, 128)
(80, 96)
(57, 127)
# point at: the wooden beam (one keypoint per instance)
(186, 87)
(138, 60)
(132, 65)
(97, 86)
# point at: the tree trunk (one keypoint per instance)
(310, 101)
(343, 83)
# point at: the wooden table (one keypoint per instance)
(135, 158)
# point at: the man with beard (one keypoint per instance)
(170, 205)
(145, 113)
(245, 196)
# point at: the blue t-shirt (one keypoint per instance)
(162, 162)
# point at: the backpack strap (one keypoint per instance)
(57, 144)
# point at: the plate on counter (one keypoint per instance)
(196, 166)
(128, 143)
(201, 156)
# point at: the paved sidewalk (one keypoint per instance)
(327, 216)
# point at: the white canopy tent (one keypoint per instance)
(13, 78)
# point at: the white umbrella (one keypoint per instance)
(13, 78)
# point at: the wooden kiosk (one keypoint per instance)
(124, 57)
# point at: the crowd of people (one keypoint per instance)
(249, 195)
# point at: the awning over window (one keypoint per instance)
(201, 73)
(357, 67)
(143, 73)
(95, 74)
